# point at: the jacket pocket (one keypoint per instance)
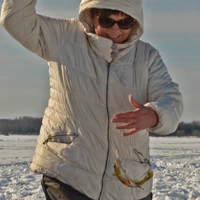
(66, 138)
(56, 143)
(137, 169)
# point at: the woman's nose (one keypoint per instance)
(115, 27)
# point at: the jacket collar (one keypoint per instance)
(106, 49)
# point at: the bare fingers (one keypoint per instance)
(130, 132)
(123, 120)
(125, 126)
(130, 126)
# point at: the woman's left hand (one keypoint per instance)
(139, 119)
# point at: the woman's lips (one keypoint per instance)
(112, 36)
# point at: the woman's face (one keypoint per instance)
(114, 33)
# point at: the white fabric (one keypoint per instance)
(90, 79)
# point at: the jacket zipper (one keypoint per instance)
(108, 127)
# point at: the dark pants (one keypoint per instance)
(56, 190)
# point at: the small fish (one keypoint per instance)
(146, 178)
(120, 173)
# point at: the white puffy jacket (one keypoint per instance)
(90, 79)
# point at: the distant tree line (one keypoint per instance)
(21, 125)
(185, 129)
(24, 125)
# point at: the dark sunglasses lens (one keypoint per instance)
(105, 22)
(125, 24)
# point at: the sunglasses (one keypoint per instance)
(107, 22)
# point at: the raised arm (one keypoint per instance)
(41, 35)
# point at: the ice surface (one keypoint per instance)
(175, 161)
(176, 165)
(17, 182)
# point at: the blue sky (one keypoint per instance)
(171, 26)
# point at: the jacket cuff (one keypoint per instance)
(165, 125)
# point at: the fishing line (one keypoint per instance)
(144, 160)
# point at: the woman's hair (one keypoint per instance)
(104, 12)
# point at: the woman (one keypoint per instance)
(94, 66)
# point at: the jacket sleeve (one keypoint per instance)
(40, 34)
(163, 95)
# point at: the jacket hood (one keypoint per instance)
(132, 8)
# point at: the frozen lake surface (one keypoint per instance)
(175, 161)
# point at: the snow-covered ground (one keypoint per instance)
(17, 182)
(176, 164)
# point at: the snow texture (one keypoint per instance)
(175, 161)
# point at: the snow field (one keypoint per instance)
(176, 166)
(17, 182)
(175, 161)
